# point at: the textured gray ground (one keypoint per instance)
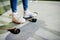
(27, 31)
(46, 28)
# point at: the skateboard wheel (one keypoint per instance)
(33, 20)
(14, 31)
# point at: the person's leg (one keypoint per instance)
(27, 13)
(15, 17)
(13, 5)
(25, 4)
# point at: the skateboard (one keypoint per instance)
(11, 27)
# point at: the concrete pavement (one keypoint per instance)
(46, 28)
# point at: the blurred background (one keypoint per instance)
(5, 4)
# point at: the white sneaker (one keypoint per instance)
(29, 14)
(16, 19)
